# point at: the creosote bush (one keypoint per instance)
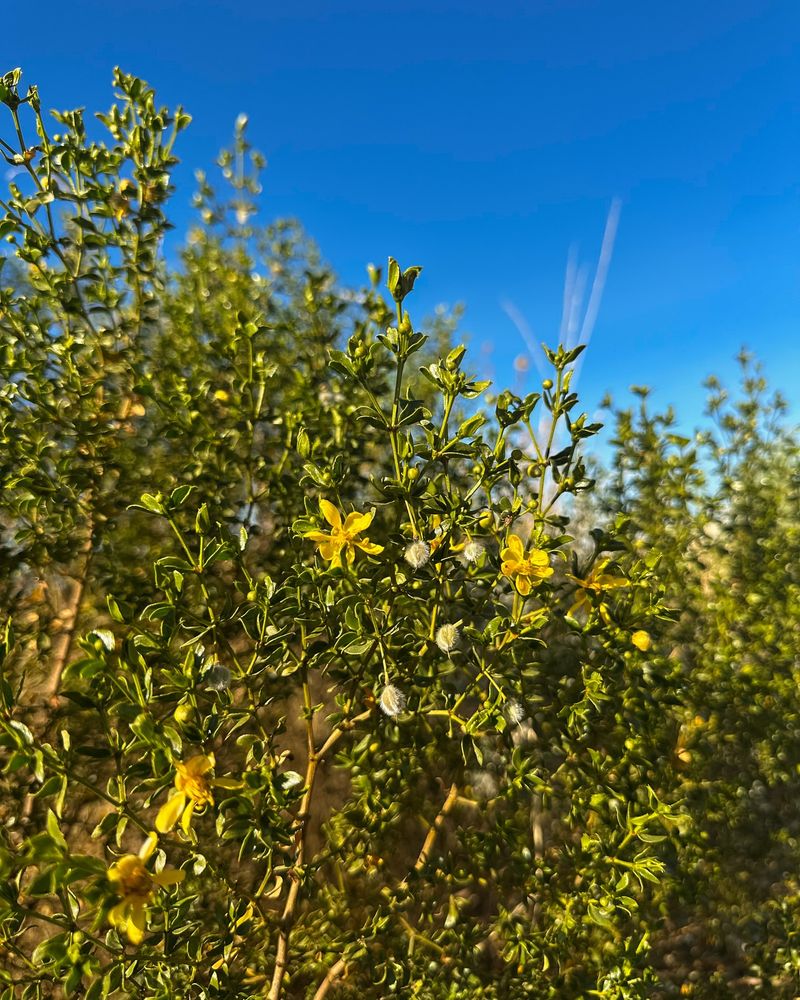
(309, 688)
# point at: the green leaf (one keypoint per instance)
(393, 280)
(411, 411)
(177, 497)
(150, 502)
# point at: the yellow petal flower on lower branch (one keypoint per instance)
(135, 886)
(641, 640)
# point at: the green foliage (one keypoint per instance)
(311, 681)
(721, 511)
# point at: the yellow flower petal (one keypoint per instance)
(330, 513)
(538, 557)
(199, 765)
(523, 585)
(186, 819)
(168, 814)
(355, 522)
(514, 543)
(641, 640)
(607, 582)
(226, 783)
(330, 550)
(318, 536)
(170, 876)
(582, 604)
(136, 923)
(147, 848)
(118, 915)
(369, 547)
(124, 867)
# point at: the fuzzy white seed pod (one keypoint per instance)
(392, 700)
(472, 552)
(218, 677)
(447, 637)
(417, 554)
(514, 712)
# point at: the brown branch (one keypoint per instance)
(62, 646)
(449, 803)
(332, 975)
(436, 825)
(303, 816)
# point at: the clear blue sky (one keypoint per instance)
(482, 140)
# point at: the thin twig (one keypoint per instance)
(449, 803)
(436, 825)
(303, 815)
(62, 647)
(332, 975)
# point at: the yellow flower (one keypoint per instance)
(527, 570)
(641, 640)
(193, 791)
(343, 538)
(119, 199)
(596, 582)
(135, 886)
(438, 533)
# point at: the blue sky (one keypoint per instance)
(484, 140)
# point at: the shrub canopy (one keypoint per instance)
(325, 671)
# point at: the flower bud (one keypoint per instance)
(183, 713)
